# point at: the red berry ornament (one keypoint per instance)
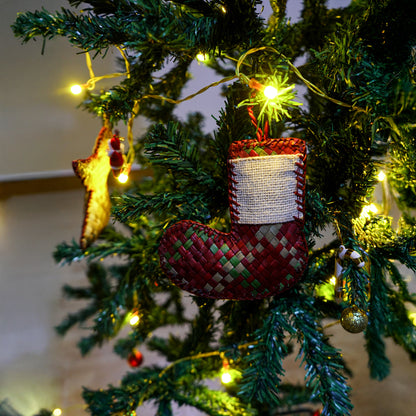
(116, 160)
(115, 143)
(115, 153)
(135, 358)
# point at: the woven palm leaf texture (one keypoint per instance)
(265, 252)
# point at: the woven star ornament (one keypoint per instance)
(265, 253)
(93, 173)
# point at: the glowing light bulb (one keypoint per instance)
(226, 378)
(270, 92)
(367, 209)
(57, 412)
(223, 9)
(333, 280)
(373, 209)
(76, 89)
(381, 176)
(134, 320)
(123, 178)
(202, 57)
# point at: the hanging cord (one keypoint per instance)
(134, 112)
(90, 84)
(189, 97)
(338, 230)
(259, 132)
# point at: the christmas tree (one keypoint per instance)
(236, 216)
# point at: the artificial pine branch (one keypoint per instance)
(378, 363)
(323, 363)
(262, 377)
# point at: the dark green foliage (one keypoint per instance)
(6, 409)
(357, 118)
(44, 412)
(378, 362)
(323, 363)
(389, 27)
(262, 377)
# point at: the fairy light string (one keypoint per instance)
(250, 81)
(189, 97)
(90, 84)
(309, 84)
(134, 113)
(202, 355)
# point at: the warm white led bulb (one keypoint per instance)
(367, 209)
(381, 176)
(123, 178)
(134, 320)
(57, 412)
(76, 89)
(270, 92)
(226, 378)
(202, 57)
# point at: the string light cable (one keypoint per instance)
(309, 84)
(90, 84)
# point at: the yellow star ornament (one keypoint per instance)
(93, 173)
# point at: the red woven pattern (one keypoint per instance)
(250, 262)
(282, 146)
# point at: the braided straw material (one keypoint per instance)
(265, 252)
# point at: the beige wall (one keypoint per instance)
(41, 129)
(38, 368)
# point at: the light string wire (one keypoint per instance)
(189, 97)
(203, 355)
(197, 357)
(309, 84)
(133, 114)
(90, 84)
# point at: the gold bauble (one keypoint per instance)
(354, 319)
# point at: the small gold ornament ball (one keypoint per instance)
(354, 319)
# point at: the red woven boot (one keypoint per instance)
(265, 253)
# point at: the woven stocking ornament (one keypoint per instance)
(265, 252)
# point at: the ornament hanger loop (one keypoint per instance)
(259, 132)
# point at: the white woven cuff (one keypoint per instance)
(265, 190)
